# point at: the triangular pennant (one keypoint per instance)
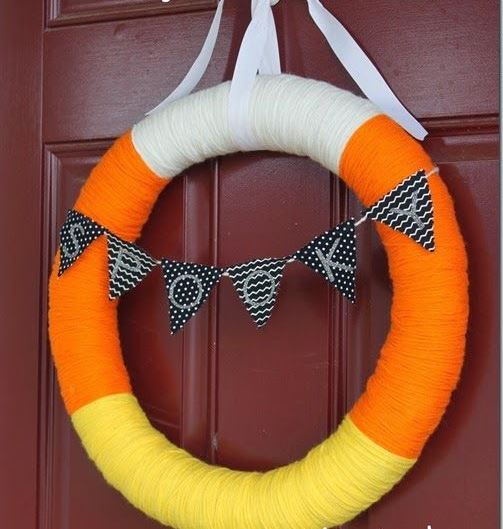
(127, 266)
(257, 284)
(188, 286)
(77, 233)
(333, 255)
(408, 208)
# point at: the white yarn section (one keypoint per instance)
(287, 113)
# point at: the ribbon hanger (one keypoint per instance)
(194, 75)
(259, 53)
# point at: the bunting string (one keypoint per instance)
(407, 208)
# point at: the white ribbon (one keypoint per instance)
(270, 63)
(362, 70)
(254, 55)
(259, 53)
(194, 75)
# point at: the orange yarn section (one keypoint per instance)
(119, 195)
(421, 359)
(121, 191)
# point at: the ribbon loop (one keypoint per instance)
(252, 57)
(197, 70)
(362, 70)
(259, 53)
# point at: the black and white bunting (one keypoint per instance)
(188, 286)
(257, 284)
(333, 255)
(408, 208)
(77, 233)
(127, 266)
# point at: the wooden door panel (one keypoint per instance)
(109, 71)
(272, 382)
(439, 57)
(20, 274)
(70, 12)
(233, 395)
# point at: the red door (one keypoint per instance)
(75, 74)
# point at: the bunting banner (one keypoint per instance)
(407, 208)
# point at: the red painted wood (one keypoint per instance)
(228, 393)
(69, 12)
(280, 372)
(21, 247)
(439, 57)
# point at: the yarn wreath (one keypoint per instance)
(382, 436)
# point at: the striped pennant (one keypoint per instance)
(333, 255)
(257, 284)
(408, 208)
(77, 233)
(127, 266)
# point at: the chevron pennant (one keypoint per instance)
(408, 208)
(257, 283)
(77, 233)
(333, 255)
(128, 265)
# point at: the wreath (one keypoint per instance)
(382, 436)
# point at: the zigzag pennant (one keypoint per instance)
(257, 284)
(127, 266)
(408, 208)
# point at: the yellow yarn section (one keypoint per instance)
(336, 480)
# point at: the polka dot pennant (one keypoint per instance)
(408, 208)
(333, 255)
(77, 233)
(257, 284)
(188, 286)
(127, 266)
